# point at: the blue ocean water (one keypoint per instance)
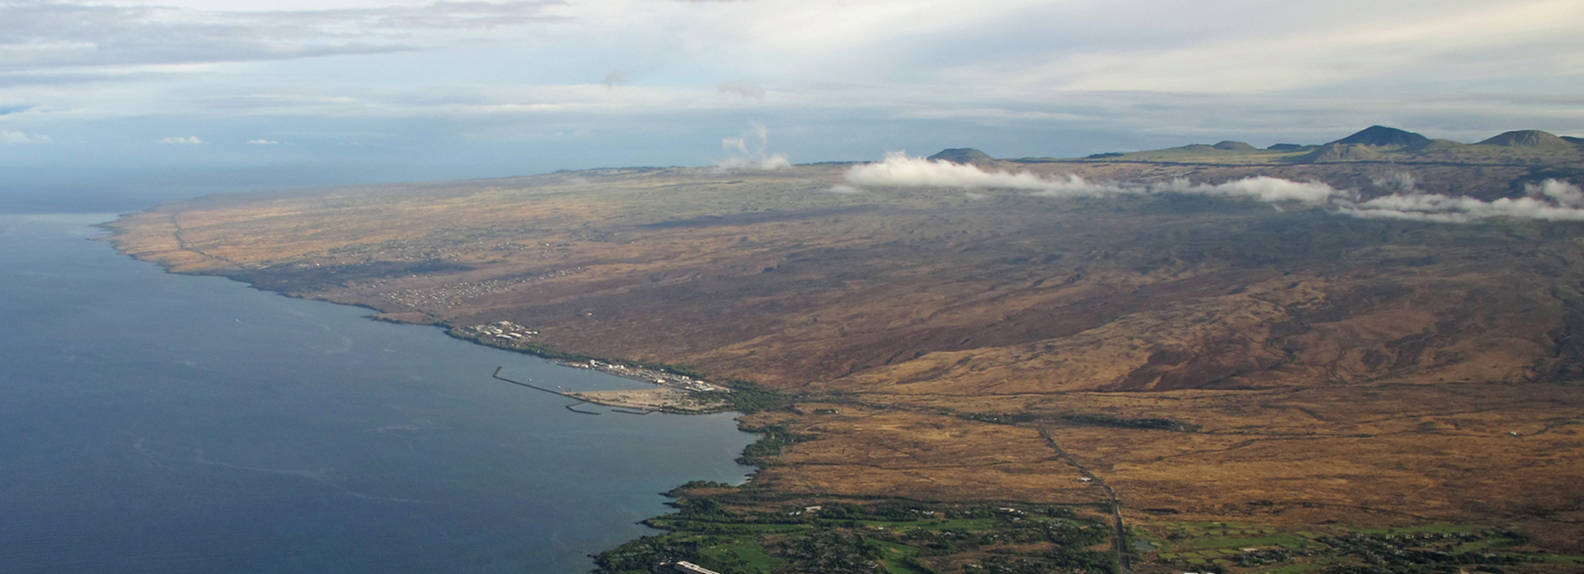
(159, 423)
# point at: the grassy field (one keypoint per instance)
(747, 531)
(740, 531)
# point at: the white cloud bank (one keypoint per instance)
(899, 170)
(178, 140)
(263, 142)
(1551, 200)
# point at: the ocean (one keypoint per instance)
(159, 423)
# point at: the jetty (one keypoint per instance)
(580, 401)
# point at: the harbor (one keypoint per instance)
(634, 402)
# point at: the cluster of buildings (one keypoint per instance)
(503, 331)
(657, 377)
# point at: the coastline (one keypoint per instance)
(559, 358)
(216, 409)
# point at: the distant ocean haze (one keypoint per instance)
(159, 423)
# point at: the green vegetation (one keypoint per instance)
(775, 438)
(1101, 420)
(744, 531)
(1437, 528)
(746, 398)
(1293, 569)
(1426, 549)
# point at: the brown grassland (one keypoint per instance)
(1208, 359)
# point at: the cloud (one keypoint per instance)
(844, 189)
(1038, 78)
(1260, 188)
(900, 170)
(1551, 200)
(8, 137)
(48, 34)
(263, 142)
(177, 140)
(616, 77)
(748, 152)
(1562, 192)
(746, 90)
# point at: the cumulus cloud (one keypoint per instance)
(844, 189)
(263, 142)
(744, 89)
(1551, 200)
(178, 140)
(748, 151)
(7, 137)
(1562, 192)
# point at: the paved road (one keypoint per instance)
(1120, 536)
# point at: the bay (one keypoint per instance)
(152, 422)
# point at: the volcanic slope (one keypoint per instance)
(1204, 358)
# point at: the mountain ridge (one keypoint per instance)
(1372, 144)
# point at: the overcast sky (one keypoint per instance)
(295, 92)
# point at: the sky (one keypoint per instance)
(187, 96)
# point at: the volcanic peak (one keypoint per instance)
(965, 156)
(1382, 136)
(1527, 138)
